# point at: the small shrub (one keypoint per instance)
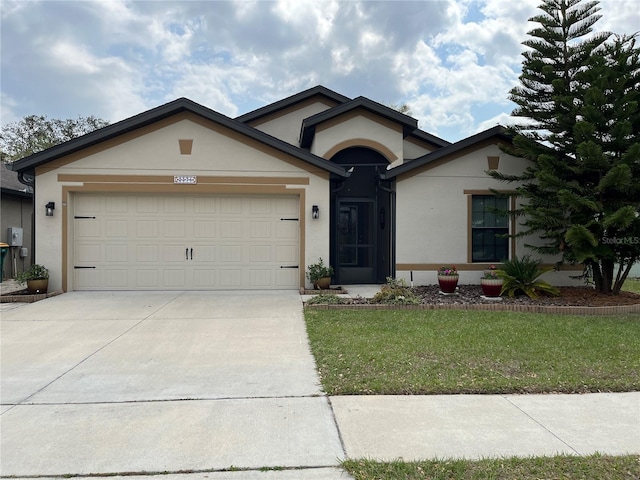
(395, 292)
(35, 272)
(326, 299)
(319, 270)
(521, 276)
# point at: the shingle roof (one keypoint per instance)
(409, 124)
(292, 100)
(499, 132)
(28, 164)
(10, 183)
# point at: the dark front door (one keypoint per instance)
(356, 245)
(362, 211)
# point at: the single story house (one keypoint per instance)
(16, 217)
(183, 197)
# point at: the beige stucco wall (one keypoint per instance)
(432, 216)
(411, 150)
(286, 126)
(359, 130)
(157, 154)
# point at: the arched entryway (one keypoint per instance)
(362, 219)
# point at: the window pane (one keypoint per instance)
(486, 227)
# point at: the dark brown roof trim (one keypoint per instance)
(29, 164)
(292, 100)
(409, 124)
(429, 138)
(498, 131)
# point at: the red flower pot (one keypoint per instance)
(491, 287)
(448, 283)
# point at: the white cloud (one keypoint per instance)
(452, 61)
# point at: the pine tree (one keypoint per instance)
(580, 93)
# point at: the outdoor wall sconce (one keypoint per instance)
(315, 212)
(51, 206)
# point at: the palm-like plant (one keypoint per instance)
(522, 276)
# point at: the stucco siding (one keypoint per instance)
(432, 217)
(286, 126)
(148, 163)
(358, 130)
(411, 150)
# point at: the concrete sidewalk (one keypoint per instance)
(126, 383)
(478, 426)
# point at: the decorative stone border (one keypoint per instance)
(327, 291)
(9, 298)
(493, 307)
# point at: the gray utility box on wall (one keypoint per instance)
(14, 236)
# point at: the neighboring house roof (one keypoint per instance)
(291, 101)
(10, 184)
(409, 124)
(498, 133)
(28, 164)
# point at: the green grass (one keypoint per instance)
(632, 285)
(453, 351)
(560, 467)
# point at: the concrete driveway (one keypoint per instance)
(127, 382)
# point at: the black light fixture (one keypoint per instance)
(315, 212)
(51, 206)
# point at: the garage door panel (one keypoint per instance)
(141, 242)
(116, 204)
(285, 277)
(204, 229)
(174, 229)
(286, 254)
(261, 253)
(147, 204)
(117, 229)
(116, 254)
(230, 230)
(116, 278)
(174, 278)
(89, 229)
(230, 278)
(231, 205)
(87, 252)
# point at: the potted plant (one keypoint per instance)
(448, 278)
(36, 278)
(320, 274)
(491, 282)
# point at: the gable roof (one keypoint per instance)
(409, 124)
(292, 100)
(498, 132)
(28, 164)
(430, 138)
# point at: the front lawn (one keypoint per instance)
(456, 351)
(560, 467)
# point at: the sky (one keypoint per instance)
(452, 62)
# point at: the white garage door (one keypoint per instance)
(190, 242)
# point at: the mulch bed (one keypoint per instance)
(569, 296)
